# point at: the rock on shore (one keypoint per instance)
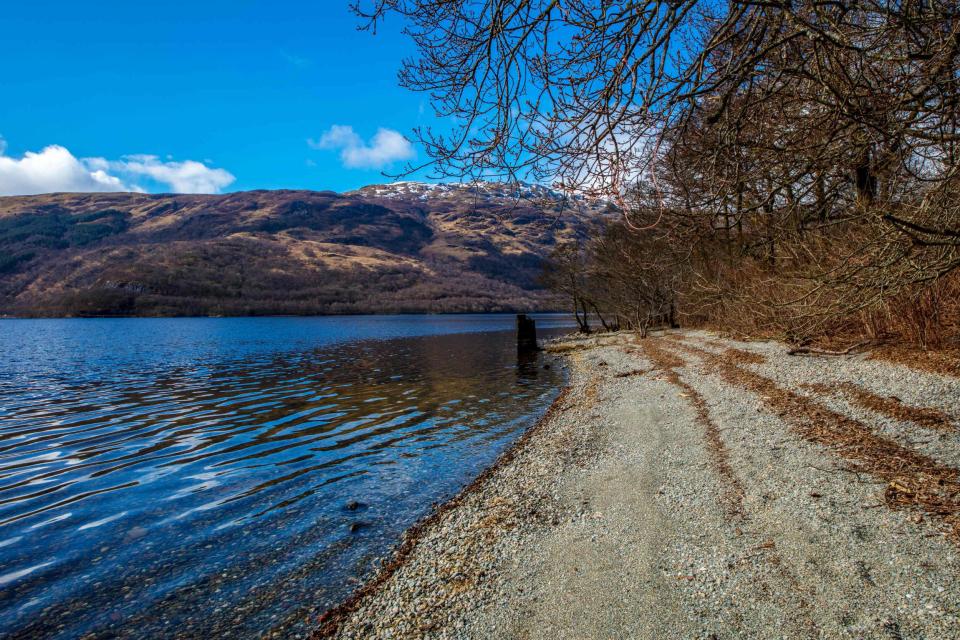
(688, 486)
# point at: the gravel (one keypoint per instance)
(612, 521)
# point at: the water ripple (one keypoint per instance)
(169, 489)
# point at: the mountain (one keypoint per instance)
(401, 247)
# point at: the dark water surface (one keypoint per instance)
(193, 477)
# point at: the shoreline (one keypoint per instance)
(691, 485)
(283, 315)
(330, 621)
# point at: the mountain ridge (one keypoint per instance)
(400, 247)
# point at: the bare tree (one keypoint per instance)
(811, 140)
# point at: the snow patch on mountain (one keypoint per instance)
(493, 192)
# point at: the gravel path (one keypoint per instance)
(688, 486)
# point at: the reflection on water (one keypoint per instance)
(211, 479)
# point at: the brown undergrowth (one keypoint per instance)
(944, 362)
(668, 363)
(919, 327)
(913, 479)
(926, 417)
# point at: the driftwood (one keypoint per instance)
(813, 351)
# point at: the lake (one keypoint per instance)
(234, 477)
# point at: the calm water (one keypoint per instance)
(194, 477)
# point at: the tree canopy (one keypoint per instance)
(766, 123)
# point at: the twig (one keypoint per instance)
(813, 351)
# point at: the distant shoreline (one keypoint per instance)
(281, 315)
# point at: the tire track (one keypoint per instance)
(913, 480)
(668, 363)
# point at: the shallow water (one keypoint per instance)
(194, 477)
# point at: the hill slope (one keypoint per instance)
(404, 247)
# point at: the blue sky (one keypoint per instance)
(208, 95)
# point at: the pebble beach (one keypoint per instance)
(693, 486)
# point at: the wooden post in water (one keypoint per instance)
(526, 333)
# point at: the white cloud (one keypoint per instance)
(188, 176)
(386, 146)
(54, 169)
